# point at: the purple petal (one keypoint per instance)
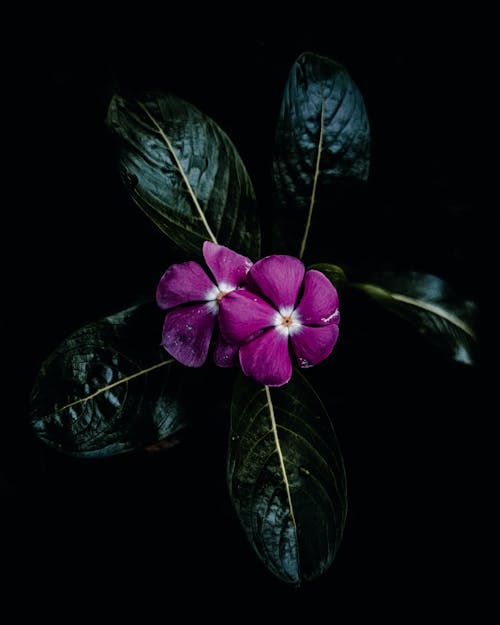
(279, 278)
(243, 314)
(320, 303)
(183, 283)
(266, 359)
(225, 354)
(187, 331)
(312, 345)
(228, 268)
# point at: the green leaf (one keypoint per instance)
(334, 273)
(109, 388)
(183, 171)
(432, 307)
(322, 136)
(286, 477)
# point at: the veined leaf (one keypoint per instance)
(286, 477)
(108, 388)
(322, 136)
(183, 171)
(432, 307)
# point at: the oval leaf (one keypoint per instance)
(432, 307)
(183, 171)
(108, 388)
(286, 477)
(323, 135)
(334, 273)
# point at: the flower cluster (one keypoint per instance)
(261, 309)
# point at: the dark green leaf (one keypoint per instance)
(334, 273)
(430, 305)
(109, 388)
(323, 135)
(286, 477)
(183, 171)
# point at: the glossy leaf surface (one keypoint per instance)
(109, 388)
(323, 136)
(286, 477)
(184, 172)
(432, 307)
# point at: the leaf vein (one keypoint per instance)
(181, 171)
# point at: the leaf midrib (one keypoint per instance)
(373, 289)
(184, 177)
(315, 182)
(114, 384)
(283, 470)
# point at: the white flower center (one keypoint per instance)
(216, 293)
(287, 321)
(224, 288)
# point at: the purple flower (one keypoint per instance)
(192, 300)
(263, 324)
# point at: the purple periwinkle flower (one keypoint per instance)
(192, 300)
(266, 315)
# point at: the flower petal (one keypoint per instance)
(184, 283)
(312, 345)
(243, 314)
(228, 268)
(279, 278)
(266, 359)
(225, 354)
(320, 303)
(187, 331)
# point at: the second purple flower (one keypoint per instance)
(192, 301)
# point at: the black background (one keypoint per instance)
(141, 530)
